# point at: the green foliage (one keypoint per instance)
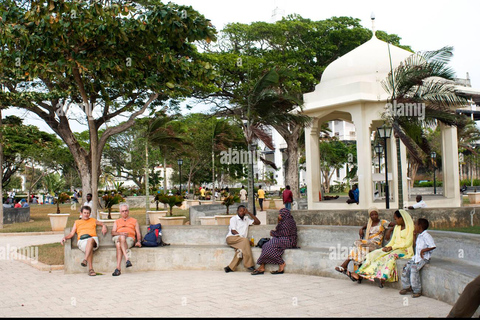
(62, 198)
(111, 200)
(228, 201)
(171, 201)
(427, 184)
(52, 182)
(468, 182)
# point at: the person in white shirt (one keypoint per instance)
(420, 203)
(424, 244)
(237, 238)
(243, 194)
(88, 203)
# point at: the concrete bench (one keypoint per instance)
(455, 262)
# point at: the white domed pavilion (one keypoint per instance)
(351, 90)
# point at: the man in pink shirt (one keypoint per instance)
(287, 198)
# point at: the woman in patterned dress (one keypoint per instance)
(381, 265)
(283, 237)
(375, 230)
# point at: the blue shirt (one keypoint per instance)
(356, 194)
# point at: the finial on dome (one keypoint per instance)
(372, 16)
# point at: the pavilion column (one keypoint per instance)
(451, 179)
(364, 158)
(312, 154)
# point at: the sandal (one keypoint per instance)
(84, 263)
(116, 273)
(92, 272)
(349, 274)
(254, 273)
(277, 272)
(341, 269)
(378, 281)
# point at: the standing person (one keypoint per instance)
(202, 193)
(88, 203)
(243, 194)
(287, 197)
(283, 237)
(420, 203)
(125, 230)
(86, 230)
(468, 302)
(261, 197)
(411, 281)
(237, 238)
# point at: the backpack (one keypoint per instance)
(153, 238)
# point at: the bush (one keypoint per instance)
(427, 184)
(468, 182)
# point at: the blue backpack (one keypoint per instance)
(153, 238)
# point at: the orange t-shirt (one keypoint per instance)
(127, 226)
(86, 227)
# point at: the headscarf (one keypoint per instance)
(407, 219)
(369, 224)
(287, 227)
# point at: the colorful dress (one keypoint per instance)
(283, 237)
(373, 242)
(383, 265)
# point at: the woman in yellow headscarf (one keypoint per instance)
(381, 265)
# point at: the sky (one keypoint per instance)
(422, 24)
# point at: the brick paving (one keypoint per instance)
(28, 292)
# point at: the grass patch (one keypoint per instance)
(50, 253)
(40, 222)
(474, 229)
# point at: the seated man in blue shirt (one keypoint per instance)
(353, 195)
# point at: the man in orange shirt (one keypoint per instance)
(124, 232)
(87, 240)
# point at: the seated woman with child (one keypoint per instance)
(381, 265)
(373, 237)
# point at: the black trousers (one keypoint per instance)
(468, 302)
(260, 202)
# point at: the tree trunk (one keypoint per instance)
(165, 174)
(147, 191)
(1, 170)
(291, 137)
(251, 201)
(399, 173)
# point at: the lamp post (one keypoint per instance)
(180, 162)
(379, 150)
(385, 132)
(433, 155)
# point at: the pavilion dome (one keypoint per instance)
(357, 75)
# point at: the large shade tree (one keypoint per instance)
(81, 59)
(302, 46)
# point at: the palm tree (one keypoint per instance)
(269, 104)
(424, 80)
(166, 133)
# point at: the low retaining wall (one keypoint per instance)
(210, 210)
(437, 217)
(454, 263)
(12, 215)
(140, 202)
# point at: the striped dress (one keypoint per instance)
(283, 237)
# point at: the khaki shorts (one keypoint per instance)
(130, 241)
(82, 244)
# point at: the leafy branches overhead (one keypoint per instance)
(424, 81)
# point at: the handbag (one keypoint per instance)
(262, 241)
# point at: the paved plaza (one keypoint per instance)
(26, 291)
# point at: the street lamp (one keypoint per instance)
(385, 132)
(378, 150)
(433, 155)
(180, 162)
